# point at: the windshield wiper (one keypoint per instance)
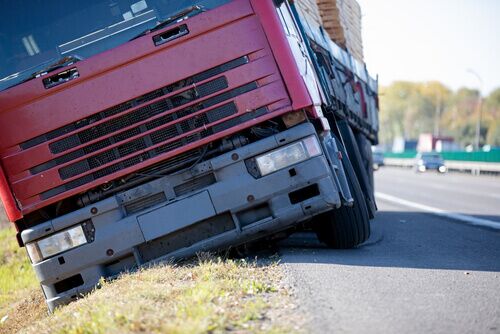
(183, 14)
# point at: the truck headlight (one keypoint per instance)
(288, 155)
(56, 243)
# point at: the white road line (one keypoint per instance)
(457, 216)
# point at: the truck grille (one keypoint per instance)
(143, 142)
(136, 131)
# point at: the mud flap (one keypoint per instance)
(332, 153)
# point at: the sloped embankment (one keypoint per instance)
(206, 295)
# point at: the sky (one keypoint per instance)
(424, 40)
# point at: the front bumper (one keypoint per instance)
(437, 167)
(214, 205)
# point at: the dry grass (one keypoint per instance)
(17, 279)
(19, 290)
(209, 295)
(30, 308)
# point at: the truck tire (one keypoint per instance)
(346, 227)
(356, 160)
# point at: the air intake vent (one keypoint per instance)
(194, 184)
(145, 203)
(137, 116)
(187, 236)
(68, 283)
(170, 164)
(164, 134)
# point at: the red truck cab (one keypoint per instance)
(137, 131)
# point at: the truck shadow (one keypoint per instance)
(406, 240)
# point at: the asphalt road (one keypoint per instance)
(418, 272)
(454, 192)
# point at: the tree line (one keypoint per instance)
(410, 108)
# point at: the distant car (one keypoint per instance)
(378, 160)
(429, 161)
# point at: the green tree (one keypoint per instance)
(493, 137)
(491, 117)
(460, 118)
(408, 109)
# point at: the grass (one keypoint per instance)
(20, 293)
(210, 295)
(207, 295)
(17, 279)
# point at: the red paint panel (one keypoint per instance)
(282, 53)
(13, 213)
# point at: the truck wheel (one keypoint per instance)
(357, 162)
(345, 227)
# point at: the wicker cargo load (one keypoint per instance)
(341, 20)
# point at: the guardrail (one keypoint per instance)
(399, 162)
(476, 156)
(473, 167)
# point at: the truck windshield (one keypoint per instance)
(36, 33)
